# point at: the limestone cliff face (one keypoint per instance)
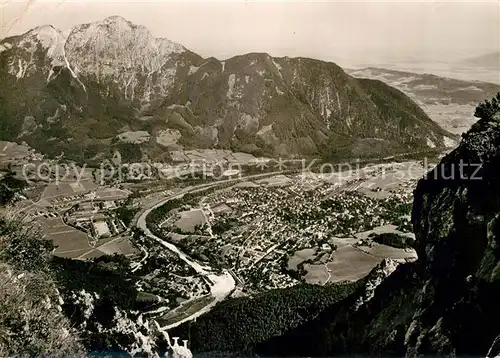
(456, 221)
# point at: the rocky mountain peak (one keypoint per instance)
(457, 226)
(254, 103)
(53, 41)
(41, 48)
(115, 44)
(374, 279)
(48, 35)
(117, 20)
(465, 181)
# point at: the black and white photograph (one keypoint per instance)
(249, 178)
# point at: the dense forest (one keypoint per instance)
(9, 187)
(239, 324)
(393, 239)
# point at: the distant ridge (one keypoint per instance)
(448, 101)
(488, 61)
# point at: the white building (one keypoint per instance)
(101, 229)
(231, 173)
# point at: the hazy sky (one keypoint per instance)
(347, 32)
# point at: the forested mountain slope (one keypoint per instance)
(111, 85)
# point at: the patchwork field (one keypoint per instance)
(69, 242)
(119, 246)
(348, 264)
(351, 260)
(382, 230)
(189, 220)
(384, 251)
(72, 243)
(58, 190)
(12, 151)
(300, 256)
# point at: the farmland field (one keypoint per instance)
(67, 189)
(300, 256)
(11, 151)
(189, 220)
(69, 242)
(389, 252)
(118, 246)
(348, 264)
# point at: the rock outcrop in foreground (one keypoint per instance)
(456, 221)
(447, 301)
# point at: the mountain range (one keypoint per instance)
(448, 101)
(488, 61)
(111, 85)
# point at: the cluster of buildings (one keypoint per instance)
(96, 217)
(162, 273)
(256, 228)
